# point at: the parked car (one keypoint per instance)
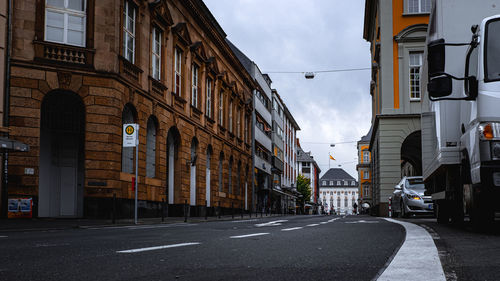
(408, 198)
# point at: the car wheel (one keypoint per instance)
(403, 211)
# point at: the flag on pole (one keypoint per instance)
(331, 157)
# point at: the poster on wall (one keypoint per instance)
(20, 208)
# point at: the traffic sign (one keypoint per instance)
(130, 135)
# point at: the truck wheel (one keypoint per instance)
(482, 213)
(442, 211)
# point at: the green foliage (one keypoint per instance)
(304, 188)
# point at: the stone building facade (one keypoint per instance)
(82, 69)
(338, 192)
(396, 31)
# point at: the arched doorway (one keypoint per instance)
(208, 197)
(192, 178)
(173, 141)
(62, 137)
(411, 155)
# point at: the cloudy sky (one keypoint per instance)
(302, 36)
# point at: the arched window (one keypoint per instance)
(151, 148)
(345, 202)
(338, 202)
(128, 152)
(221, 158)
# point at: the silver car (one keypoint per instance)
(408, 198)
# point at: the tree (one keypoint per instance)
(304, 188)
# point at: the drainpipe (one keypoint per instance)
(5, 155)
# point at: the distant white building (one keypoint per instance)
(338, 191)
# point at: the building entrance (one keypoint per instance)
(61, 156)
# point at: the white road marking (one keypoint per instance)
(3, 236)
(312, 224)
(417, 259)
(361, 221)
(245, 220)
(332, 220)
(134, 227)
(157, 248)
(293, 228)
(323, 222)
(248, 235)
(271, 223)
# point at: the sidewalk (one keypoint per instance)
(44, 224)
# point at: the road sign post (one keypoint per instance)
(131, 139)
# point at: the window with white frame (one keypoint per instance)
(419, 6)
(415, 64)
(221, 108)
(324, 182)
(208, 109)
(366, 156)
(178, 71)
(366, 174)
(156, 53)
(331, 183)
(129, 14)
(353, 183)
(338, 183)
(194, 85)
(366, 191)
(65, 21)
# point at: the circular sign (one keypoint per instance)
(129, 129)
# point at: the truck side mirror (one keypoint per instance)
(436, 57)
(439, 85)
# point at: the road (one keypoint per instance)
(278, 248)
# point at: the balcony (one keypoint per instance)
(66, 54)
(278, 164)
(263, 138)
(262, 110)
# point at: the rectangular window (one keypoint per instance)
(221, 108)
(65, 21)
(178, 71)
(366, 156)
(324, 183)
(238, 123)
(331, 183)
(156, 54)
(419, 6)
(246, 128)
(366, 175)
(194, 85)
(129, 13)
(415, 65)
(231, 116)
(338, 183)
(208, 109)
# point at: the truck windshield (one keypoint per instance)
(415, 184)
(492, 54)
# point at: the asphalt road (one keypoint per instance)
(278, 248)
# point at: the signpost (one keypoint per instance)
(131, 139)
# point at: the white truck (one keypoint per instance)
(461, 110)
